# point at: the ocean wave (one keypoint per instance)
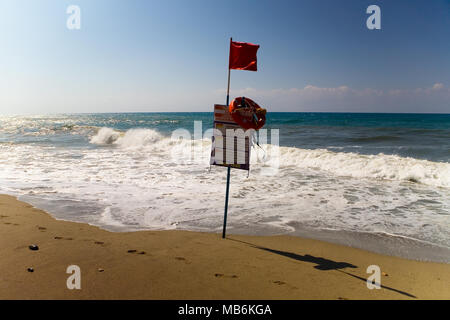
(105, 136)
(130, 180)
(133, 138)
(38, 130)
(375, 139)
(342, 164)
(380, 166)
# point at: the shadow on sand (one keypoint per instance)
(321, 264)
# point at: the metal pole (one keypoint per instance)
(226, 204)
(229, 74)
(228, 90)
(229, 168)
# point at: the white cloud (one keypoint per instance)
(343, 98)
(438, 86)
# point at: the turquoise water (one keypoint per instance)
(376, 181)
(421, 136)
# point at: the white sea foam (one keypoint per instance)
(105, 136)
(134, 138)
(345, 164)
(138, 184)
(379, 166)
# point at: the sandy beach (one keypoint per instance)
(192, 265)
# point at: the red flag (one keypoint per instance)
(243, 56)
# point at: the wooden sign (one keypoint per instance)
(230, 143)
(221, 114)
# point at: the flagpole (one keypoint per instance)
(229, 74)
(226, 204)
(229, 168)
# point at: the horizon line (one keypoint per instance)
(146, 112)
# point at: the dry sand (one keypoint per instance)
(192, 265)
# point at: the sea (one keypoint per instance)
(379, 182)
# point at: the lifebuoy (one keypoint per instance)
(247, 113)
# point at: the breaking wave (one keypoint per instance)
(125, 180)
(133, 138)
(343, 164)
(389, 167)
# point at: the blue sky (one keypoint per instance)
(169, 55)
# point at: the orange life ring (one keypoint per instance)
(247, 113)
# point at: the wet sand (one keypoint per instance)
(193, 265)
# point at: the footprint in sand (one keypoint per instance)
(62, 238)
(12, 224)
(42, 228)
(136, 252)
(282, 283)
(182, 259)
(221, 275)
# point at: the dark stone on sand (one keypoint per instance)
(30, 270)
(34, 247)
